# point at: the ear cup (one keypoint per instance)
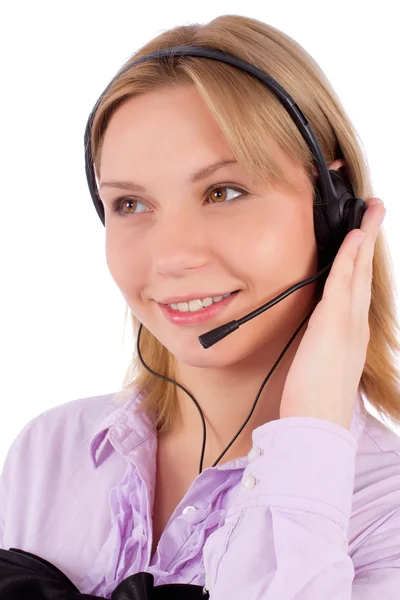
(334, 220)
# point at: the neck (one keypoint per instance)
(226, 400)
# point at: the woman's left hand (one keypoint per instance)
(325, 373)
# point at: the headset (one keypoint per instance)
(338, 213)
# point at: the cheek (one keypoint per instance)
(279, 245)
(277, 260)
(272, 263)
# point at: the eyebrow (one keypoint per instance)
(198, 175)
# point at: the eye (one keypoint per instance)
(118, 204)
(222, 197)
(218, 192)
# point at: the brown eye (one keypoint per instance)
(124, 204)
(219, 194)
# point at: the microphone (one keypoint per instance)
(215, 335)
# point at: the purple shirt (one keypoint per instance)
(313, 513)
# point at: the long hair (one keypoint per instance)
(251, 117)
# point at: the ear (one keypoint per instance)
(334, 166)
(337, 164)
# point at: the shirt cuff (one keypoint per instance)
(301, 463)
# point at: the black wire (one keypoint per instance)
(262, 386)
(197, 404)
(182, 388)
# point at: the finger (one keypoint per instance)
(363, 268)
(337, 288)
(342, 270)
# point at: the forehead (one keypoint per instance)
(161, 126)
(173, 110)
(171, 130)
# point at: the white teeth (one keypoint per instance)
(207, 302)
(195, 305)
(182, 306)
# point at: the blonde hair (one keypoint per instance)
(251, 117)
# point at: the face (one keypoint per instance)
(204, 238)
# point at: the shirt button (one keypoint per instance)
(254, 453)
(248, 483)
(188, 509)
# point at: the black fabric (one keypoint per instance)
(26, 576)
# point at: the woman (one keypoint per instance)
(209, 192)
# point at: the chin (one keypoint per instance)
(225, 353)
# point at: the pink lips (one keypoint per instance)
(199, 316)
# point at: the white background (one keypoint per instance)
(62, 334)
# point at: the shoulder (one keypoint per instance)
(66, 429)
(82, 412)
(80, 416)
(48, 471)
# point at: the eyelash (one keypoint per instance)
(117, 203)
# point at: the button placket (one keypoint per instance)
(254, 453)
(188, 509)
(248, 483)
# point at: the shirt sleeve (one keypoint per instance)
(285, 535)
(377, 562)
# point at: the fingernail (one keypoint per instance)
(374, 201)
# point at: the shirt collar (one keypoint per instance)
(124, 427)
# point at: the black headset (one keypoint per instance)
(334, 217)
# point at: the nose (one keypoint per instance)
(179, 242)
